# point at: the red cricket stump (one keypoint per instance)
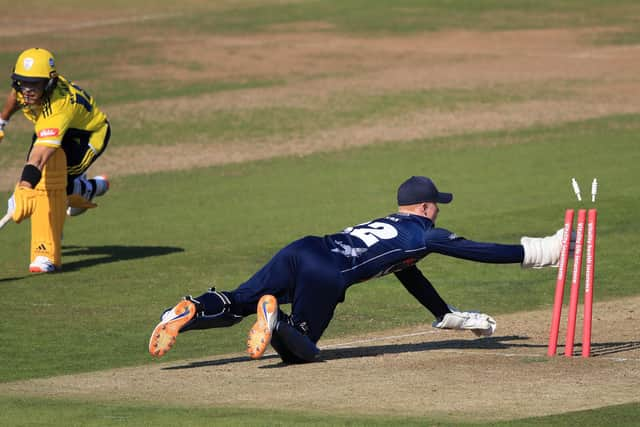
(575, 283)
(588, 284)
(560, 282)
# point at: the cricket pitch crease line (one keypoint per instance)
(387, 338)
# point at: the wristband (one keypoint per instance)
(3, 123)
(31, 174)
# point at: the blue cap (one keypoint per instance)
(419, 189)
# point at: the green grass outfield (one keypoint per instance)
(156, 237)
(163, 235)
(33, 412)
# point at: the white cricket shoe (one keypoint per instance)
(42, 264)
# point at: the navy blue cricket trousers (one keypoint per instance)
(303, 273)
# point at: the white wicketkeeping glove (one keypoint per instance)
(544, 251)
(482, 325)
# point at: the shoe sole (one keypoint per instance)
(40, 270)
(35, 268)
(164, 334)
(261, 331)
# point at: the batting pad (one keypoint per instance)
(47, 221)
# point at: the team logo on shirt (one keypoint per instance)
(48, 132)
(347, 250)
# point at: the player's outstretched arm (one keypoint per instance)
(447, 317)
(421, 288)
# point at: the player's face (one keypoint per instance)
(32, 92)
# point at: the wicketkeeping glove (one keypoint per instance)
(24, 202)
(544, 251)
(482, 325)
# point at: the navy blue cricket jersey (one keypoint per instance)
(395, 242)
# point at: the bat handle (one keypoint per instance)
(5, 219)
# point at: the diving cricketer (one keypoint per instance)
(313, 274)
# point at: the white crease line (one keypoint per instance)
(391, 337)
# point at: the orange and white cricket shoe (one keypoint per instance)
(164, 334)
(262, 331)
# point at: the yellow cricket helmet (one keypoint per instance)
(33, 65)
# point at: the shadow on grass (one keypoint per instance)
(219, 362)
(11, 279)
(607, 348)
(491, 343)
(111, 253)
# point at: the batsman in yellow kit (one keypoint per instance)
(70, 133)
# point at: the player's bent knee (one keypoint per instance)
(292, 345)
(285, 354)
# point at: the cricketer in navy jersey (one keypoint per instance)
(313, 273)
(395, 242)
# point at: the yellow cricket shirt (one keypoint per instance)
(68, 107)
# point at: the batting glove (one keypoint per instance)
(24, 203)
